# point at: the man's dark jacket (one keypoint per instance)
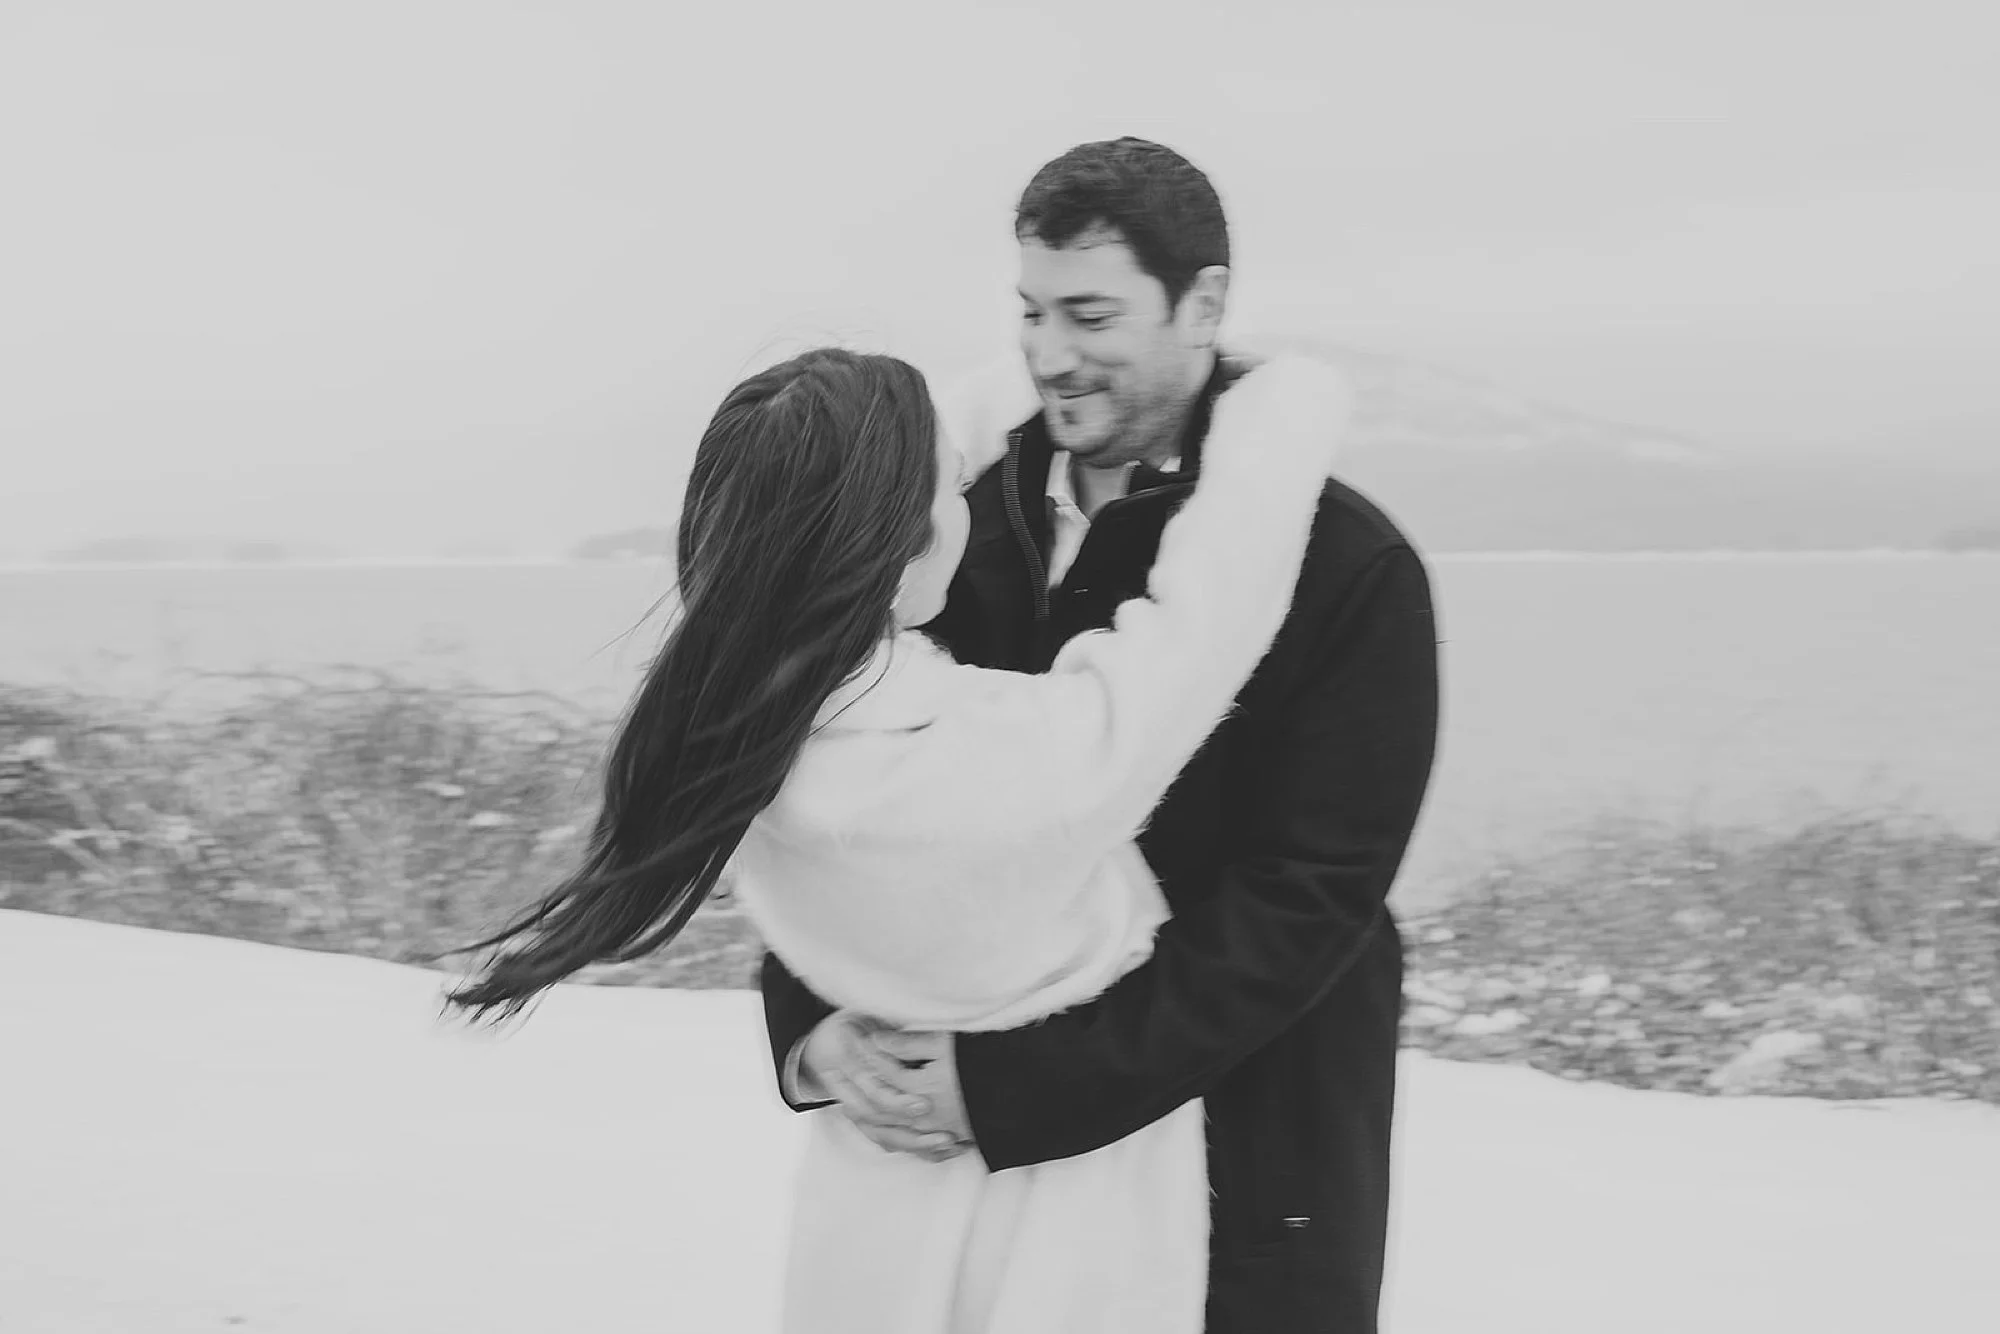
(1275, 992)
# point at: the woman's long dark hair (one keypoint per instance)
(811, 492)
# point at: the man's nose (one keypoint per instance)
(1051, 353)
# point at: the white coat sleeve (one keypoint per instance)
(1077, 758)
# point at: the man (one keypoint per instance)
(1275, 991)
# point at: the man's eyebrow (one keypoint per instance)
(1081, 299)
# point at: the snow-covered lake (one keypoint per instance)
(201, 1134)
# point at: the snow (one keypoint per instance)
(202, 1134)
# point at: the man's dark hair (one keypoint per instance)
(1154, 199)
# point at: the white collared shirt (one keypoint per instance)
(1068, 524)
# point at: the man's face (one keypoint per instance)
(1111, 360)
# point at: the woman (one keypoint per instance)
(937, 845)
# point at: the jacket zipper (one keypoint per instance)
(1017, 517)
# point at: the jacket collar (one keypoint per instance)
(1194, 432)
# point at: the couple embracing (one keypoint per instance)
(1062, 736)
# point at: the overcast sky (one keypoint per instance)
(402, 274)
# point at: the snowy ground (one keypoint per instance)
(200, 1134)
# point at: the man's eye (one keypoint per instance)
(1094, 321)
(1031, 316)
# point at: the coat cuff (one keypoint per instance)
(792, 1082)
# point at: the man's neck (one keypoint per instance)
(1096, 487)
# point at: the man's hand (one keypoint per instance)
(928, 1060)
(899, 1089)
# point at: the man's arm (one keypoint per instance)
(791, 1012)
(1348, 766)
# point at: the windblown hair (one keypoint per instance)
(811, 492)
(1151, 197)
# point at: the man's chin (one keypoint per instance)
(1080, 438)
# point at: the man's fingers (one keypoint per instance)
(934, 1147)
(870, 1081)
(909, 1046)
(841, 1044)
(885, 1080)
(875, 1109)
(865, 1099)
(890, 1101)
(893, 1136)
(852, 1102)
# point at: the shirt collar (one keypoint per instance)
(1062, 485)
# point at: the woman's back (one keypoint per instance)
(926, 929)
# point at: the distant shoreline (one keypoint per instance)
(558, 562)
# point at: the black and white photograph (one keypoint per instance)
(948, 668)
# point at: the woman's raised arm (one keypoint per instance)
(1085, 751)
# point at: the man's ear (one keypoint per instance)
(1201, 307)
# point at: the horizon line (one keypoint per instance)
(1523, 554)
